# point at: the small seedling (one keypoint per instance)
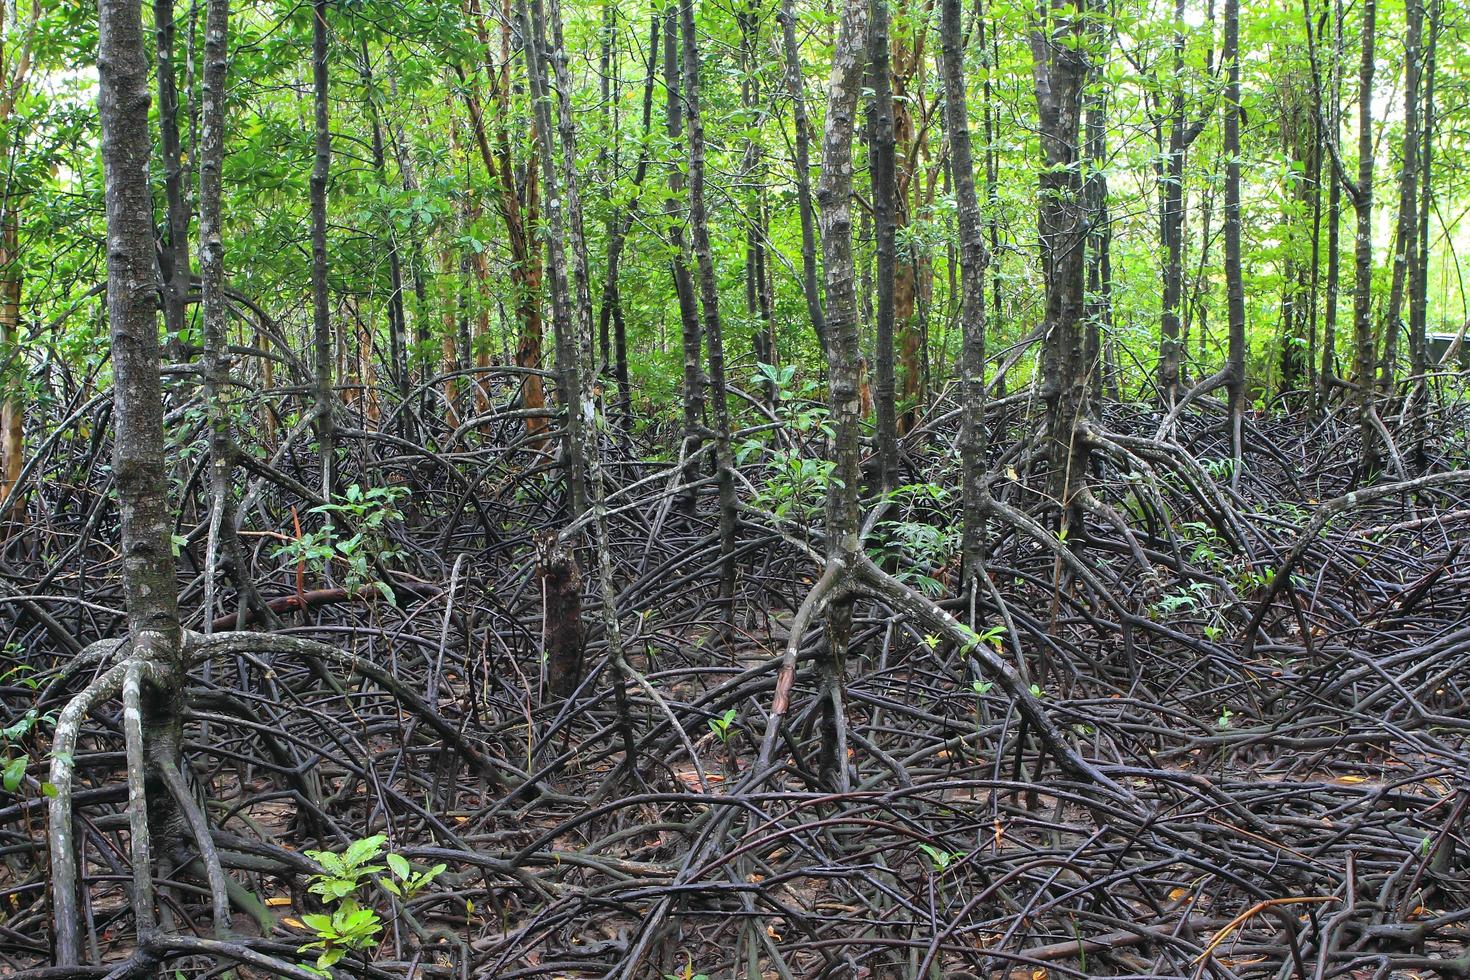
(724, 726)
(409, 883)
(940, 859)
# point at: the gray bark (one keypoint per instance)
(973, 260)
(881, 143)
(321, 313)
(844, 369)
(1061, 66)
(796, 85)
(709, 301)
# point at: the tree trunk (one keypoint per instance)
(1061, 67)
(1328, 371)
(224, 538)
(881, 171)
(397, 321)
(567, 311)
(518, 203)
(709, 296)
(138, 445)
(12, 406)
(1171, 223)
(1363, 251)
(562, 636)
(690, 330)
(796, 85)
(619, 224)
(321, 311)
(173, 253)
(1419, 268)
(1406, 232)
(1234, 285)
(1099, 307)
(972, 289)
(844, 360)
(539, 49)
(913, 273)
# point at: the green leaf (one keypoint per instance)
(399, 865)
(15, 773)
(365, 849)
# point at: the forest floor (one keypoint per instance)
(1285, 749)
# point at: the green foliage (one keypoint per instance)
(372, 513)
(342, 873)
(347, 928)
(724, 726)
(939, 859)
(16, 762)
(409, 883)
(348, 925)
(923, 540)
(796, 482)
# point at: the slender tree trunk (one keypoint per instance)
(1328, 372)
(618, 226)
(1314, 179)
(519, 204)
(1099, 306)
(1171, 225)
(12, 388)
(972, 289)
(885, 229)
(990, 54)
(913, 272)
(1419, 268)
(12, 407)
(138, 445)
(796, 85)
(449, 297)
(757, 296)
(709, 296)
(1234, 283)
(1061, 67)
(321, 311)
(567, 310)
(1406, 233)
(224, 538)
(1363, 251)
(844, 367)
(691, 332)
(173, 253)
(397, 326)
(542, 47)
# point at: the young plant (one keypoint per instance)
(409, 883)
(724, 726)
(939, 859)
(343, 873)
(348, 927)
(14, 764)
(371, 512)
